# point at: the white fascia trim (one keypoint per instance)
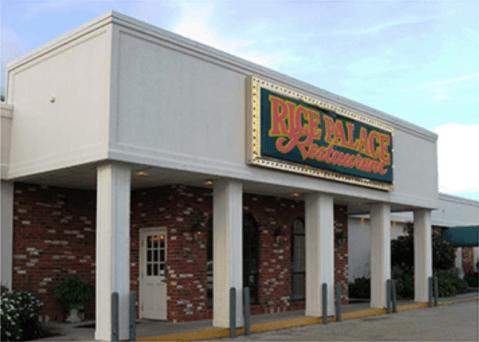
(452, 223)
(230, 170)
(6, 111)
(4, 171)
(459, 200)
(49, 164)
(416, 202)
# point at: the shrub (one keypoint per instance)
(402, 251)
(472, 279)
(360, 288)
(450, 285)
(461, 286)
(443, 255)
(73, 291)
(19, 311)
(405, 286)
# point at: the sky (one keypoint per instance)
(416, 60)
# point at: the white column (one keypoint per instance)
(458, 262)
(112, 248)
(319, 226)
(475, 254)
(380, 253)
(6, 228)
(422, 254)
(227, 250)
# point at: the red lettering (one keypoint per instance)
(279, 114)
(329, 123)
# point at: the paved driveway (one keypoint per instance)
(458, 322)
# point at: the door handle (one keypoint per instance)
(164, 281)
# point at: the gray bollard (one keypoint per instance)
(436, 291)
(388, 295)
(232, 312)
(325, 303)
(338, 302)
(395, 303)
(114, 317)
(429, 291)
(247, 329)
(132, 316)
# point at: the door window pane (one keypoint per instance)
(162, 255)
(148, 256)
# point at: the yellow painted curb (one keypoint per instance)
(284, 324)
(460, 301)
(414, 306)
(363, 313)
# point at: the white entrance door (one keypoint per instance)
(153, 273)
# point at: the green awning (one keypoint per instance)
(462, 236)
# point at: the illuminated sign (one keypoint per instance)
(294, 132)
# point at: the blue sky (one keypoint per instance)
(417, 60)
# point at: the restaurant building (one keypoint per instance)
(141, 160)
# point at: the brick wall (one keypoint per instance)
(54, 232)
(180, 207)
(341, 271)
(54, 235)
(468, 259)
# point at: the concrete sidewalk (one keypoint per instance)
(148, 330)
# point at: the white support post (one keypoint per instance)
(475, 258)
(319, 236)
(380, 253)
(458, 263)
(112, 248)
(227, 250)
(422, 254)
(6, 229)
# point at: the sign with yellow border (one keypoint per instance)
(293, 132)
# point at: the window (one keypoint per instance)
(298, 266)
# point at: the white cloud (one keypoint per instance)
(458, 161)
(384, 26)
(450, 88)
(456, 79)
(197, 23)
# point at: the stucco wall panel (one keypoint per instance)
(61, 105)
(415, 169)
(172, 103)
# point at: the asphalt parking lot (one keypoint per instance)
(458, 322)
